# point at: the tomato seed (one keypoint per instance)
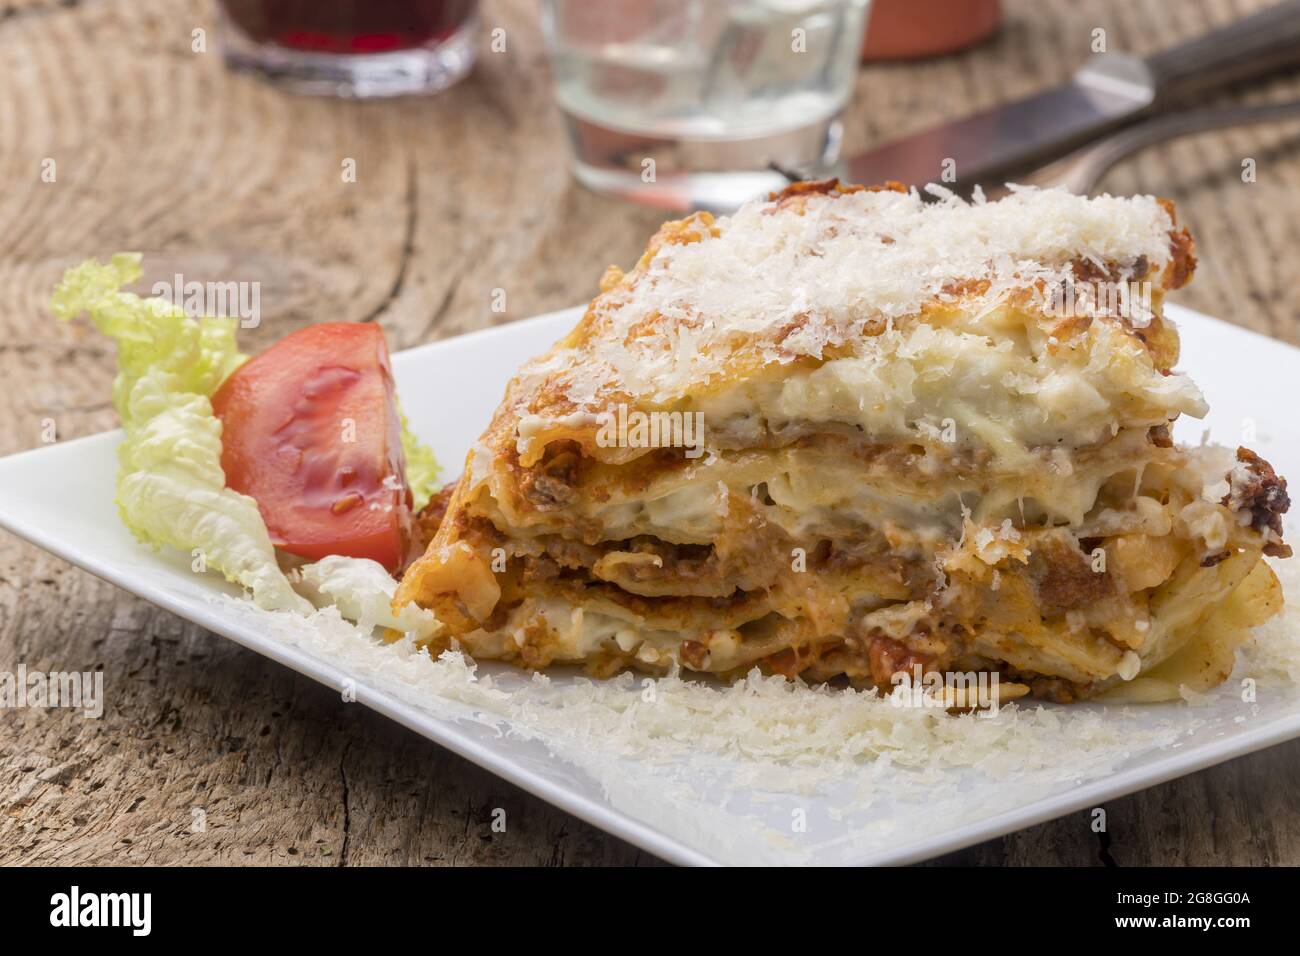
(346, 503)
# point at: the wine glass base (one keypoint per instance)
(425, 69)
(680, 174)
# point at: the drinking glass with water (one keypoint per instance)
(691, 102)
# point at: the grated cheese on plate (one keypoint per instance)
(686, 756)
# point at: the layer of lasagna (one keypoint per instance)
(848, 433)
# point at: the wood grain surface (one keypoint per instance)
(214, 175)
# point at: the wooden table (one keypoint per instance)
(158, 148)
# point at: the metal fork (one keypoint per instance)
(1080, 171)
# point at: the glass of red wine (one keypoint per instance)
(354, 48)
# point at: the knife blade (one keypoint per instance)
(1109, 90)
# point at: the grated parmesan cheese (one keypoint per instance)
(664, 750)
(797, 284)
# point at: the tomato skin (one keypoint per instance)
(310, 430)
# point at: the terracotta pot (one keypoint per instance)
(910, 29)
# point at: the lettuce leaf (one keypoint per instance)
(363, 593)
(154, 338)
(171, 489)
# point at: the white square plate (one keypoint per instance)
(725, 807)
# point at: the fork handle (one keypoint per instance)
(1094, 161)
(1242, 50)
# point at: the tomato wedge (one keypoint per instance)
(310, 430)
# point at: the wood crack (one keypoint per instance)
(1103, 851)
(347, 809)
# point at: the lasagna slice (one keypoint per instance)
(847, 433)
